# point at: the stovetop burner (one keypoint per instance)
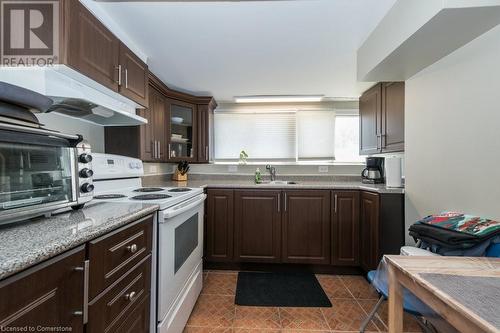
(180, 189)
(149, 189)
(155, 196)
(109, 196)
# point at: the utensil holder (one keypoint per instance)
(178, 177)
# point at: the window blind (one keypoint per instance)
(264, 136)
(316, 135)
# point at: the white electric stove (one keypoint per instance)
(179, 240)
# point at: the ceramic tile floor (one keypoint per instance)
(352, 298)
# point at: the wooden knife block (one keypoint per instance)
(178, 177)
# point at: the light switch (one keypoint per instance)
(232, 168)
(323, 168)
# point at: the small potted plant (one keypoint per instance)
(180, 173)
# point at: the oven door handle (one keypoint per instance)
(183, 207)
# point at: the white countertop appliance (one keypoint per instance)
(179, 236)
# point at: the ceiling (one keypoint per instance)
(232, 49)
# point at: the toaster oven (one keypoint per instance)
(42, 171)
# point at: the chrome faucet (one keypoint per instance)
(272, 171)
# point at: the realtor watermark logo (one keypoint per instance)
(29, 32)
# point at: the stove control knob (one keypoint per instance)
(86, 173)
(86, 188)
(85, 158)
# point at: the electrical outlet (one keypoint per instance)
(153, 169)
(323, 168)
(232, 168)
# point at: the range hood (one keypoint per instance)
(75, 95)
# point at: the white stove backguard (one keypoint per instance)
(111, 167)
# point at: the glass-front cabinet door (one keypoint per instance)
(182, 131)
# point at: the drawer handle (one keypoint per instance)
(132, 248)
(130, 297)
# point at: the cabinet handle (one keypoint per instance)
(159, 149)
(285, 201)
(335, 203)
(169, 152)
(279, 203)
(126, 78)
(85, 312)
(130, 297)
(206, 153)
(119, 68)
(132, 248)
(153, 149)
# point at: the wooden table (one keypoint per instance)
(434, 281)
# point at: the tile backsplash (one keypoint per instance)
(236, 169)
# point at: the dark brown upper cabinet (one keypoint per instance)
(134, 80)
(205, 121)
(219, 225)
(178, 128)
(182, 131)
(91, 49)
(381, 111)
(257, 224)
(393, 117)
(306, 227)
(146, 142)
(370, 111)
(345, 228)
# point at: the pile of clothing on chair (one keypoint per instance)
(456, 234)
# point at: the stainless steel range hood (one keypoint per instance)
(75, 95)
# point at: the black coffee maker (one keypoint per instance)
(374, 171)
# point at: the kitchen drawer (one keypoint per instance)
(137, 321)
(110, 309)
(114, 254)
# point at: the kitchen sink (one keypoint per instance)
(278, 182)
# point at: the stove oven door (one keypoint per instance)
(180, 250)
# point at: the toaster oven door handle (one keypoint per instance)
(183, 207)
(85, 312)
(38, 131)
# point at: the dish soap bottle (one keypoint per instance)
(258, 176)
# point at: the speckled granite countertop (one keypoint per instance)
(25, 244)
(303, 183)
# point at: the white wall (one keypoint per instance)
(452, 125)
(94, 134)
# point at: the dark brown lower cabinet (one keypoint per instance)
(369, 214)
(114, 254)
(138, 320)
(219, 225)
(345, 228)
(382, 227)
(109, 310)
(51, 294)
(350, 229)
(306, 227)
(47, 295)
(257, 226)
